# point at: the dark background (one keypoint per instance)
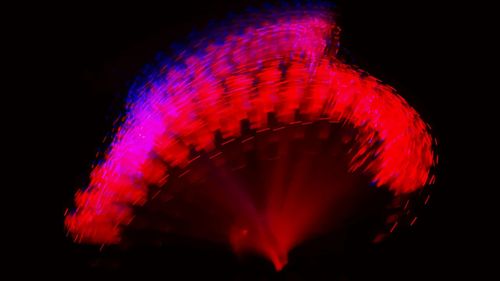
(415, 47)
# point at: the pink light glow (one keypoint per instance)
(241, 78)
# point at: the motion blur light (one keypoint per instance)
(260, 137)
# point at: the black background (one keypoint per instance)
(417, 47)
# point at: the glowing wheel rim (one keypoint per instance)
(284, 65)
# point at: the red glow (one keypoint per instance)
(242, 79)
